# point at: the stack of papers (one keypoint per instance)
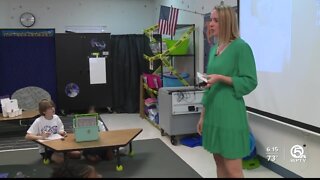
(202, 77)
(52, 137)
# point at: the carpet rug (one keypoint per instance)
(152, 158)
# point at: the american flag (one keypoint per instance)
(168, 20)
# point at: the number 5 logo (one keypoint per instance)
(297, 151)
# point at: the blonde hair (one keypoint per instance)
(228, 24)
(45, 104)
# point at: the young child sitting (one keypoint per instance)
(44, 126)
(95, 155)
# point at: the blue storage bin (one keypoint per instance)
(253, 150)
(170, 80)
(192, 141)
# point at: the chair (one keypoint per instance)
(29, 97)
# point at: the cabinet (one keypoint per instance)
(179, 110)
(73, 53)
(180, 62)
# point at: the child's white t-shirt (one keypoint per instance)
(41, 124)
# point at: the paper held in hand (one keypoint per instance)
(202, 77)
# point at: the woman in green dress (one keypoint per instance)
(231, 74)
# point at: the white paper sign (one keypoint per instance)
(97, 68)
(202, 77)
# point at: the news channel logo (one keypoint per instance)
(298, 154)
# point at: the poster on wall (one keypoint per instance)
(97, 67)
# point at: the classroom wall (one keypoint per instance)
(270, 134)
(119, 16)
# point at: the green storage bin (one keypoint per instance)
(251, 163)
(181, 50)
(85, 127)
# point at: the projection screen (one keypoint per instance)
(285, 39)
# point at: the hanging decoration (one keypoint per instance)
(164, 56)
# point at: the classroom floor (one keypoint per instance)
(199, 159)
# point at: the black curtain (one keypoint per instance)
(127, 66)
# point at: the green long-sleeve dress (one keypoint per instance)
(225, 128)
